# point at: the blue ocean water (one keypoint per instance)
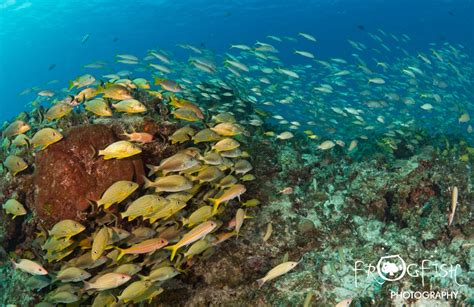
(40, 40)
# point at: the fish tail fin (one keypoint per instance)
(125, 134)
(14, 264)
(101, 153)
(121, 253)
(71, 85)
(147, 183)
(173, 249)
(87, 285)
(54, 278)
(153, 169)
(215, 204)
(173, 101)
(158, 80)
(184, 221)
(260, 282)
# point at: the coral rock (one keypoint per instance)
(69, 174)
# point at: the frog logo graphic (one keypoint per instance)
(391, 268)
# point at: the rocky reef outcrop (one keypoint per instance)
(69, 174)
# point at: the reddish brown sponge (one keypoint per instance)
(69, 174)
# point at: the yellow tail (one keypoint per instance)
(148, 183)
(173, 249)
(215, 204)
(158, 80)
(121, 253)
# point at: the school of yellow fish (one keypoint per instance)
(181, 203)
(179, 207)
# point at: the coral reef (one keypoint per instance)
(328, 209)
(340, 213)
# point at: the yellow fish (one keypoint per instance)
(72, 274)
(130, 106)
(66, 229)
(144, 205)
(200, 215)
(145, 247)
(185, 114)
(251, 203)
(182, 135)
(234, 191)
(464, 118)
(142, 83)
(46, 137)
(224, 117)
(115, 91)
(15, 128)
(98, 106)
(14, 207)
(184, 104)
(107, 281)
(134, 290)
(162, 274)
(58, 111)
(120, 150)
(227, 129)
(166, 212)
(197, 248)
(277, 271)
(192, 236)
(21, 140)
(15, 164)
(53, 245)
(116, 193)
(171, 183)
(208, 174)
(100, 243)
(86, 94)
(225, 145)
(206, 135)
(176, 163)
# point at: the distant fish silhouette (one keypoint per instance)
(115, 39)
(85, 38)
(51, 67)
(361, 27)
(450, 13)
